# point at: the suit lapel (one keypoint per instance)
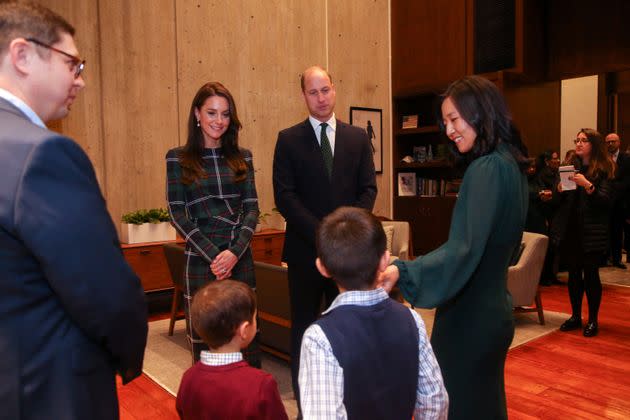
(340, 149)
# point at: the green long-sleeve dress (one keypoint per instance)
(466, 280)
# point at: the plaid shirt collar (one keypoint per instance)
(359, 297)
(219, 359)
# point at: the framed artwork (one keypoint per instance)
(407, 185)
(371, 120)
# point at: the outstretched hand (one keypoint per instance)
(388, 278)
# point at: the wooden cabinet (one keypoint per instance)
(148, 261)
(422, 154)
(267, 246)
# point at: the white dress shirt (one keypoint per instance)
(330, 130)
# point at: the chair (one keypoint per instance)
(524, 276)
(400, 247)
(401, 238)
(176, 261)
(274, 308)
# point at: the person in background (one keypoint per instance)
(72, 312)
(221, 385)
(212, 201)
(581, 226)
(569, 157)
(368, 356)
(620, 210)
(466, 278)
(536, 220)
(319, 164)
(548, 162)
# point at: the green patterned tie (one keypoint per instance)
(326, 150)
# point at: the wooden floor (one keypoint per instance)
(568, 376)
(558, 376)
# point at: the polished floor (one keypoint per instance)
(558, 376)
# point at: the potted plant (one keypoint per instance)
(263, 218)
(143, 225)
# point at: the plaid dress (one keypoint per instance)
(213, 214)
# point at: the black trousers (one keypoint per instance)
(307, 288)
(584, 278)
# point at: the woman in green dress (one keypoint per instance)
(212, 200)
(466, 277)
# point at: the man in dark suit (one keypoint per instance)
(319, 165)
(619, 212)
(72, 312)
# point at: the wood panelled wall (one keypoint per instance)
(147, 58)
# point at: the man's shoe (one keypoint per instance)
(571, 324)
(590, 330)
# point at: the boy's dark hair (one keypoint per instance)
(350, 244)
(219, 308)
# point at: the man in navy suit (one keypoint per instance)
(319, 165)
(72, 312)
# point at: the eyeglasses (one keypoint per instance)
(576, 141)
(77, 63)
(611, 141)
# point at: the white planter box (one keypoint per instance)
(147, 232)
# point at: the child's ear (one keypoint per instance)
(384, 262)
(241, 331)
(320, 267)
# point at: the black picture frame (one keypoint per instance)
(371, 120)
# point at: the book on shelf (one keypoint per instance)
(410, 121)
(428, 187)
(407, 185)
(452, 187)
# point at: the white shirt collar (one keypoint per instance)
(332, 122)
(22, 106)
(615, 155)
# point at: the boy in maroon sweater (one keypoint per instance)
(222, 385)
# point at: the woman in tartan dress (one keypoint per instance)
(212, 200)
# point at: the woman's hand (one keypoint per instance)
(388, 278)
(222, 264)
(559, 187)
(545, 195)
(581, 180)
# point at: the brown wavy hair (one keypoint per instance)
(190, 157)
(600, 164)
